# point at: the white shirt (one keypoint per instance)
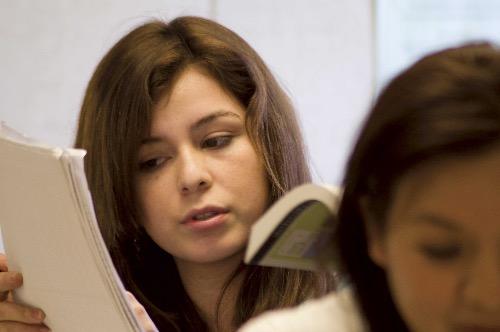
(334, 312)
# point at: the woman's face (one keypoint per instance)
(441, 247)
(200, 183)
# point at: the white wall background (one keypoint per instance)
(320, 50)
(409, 29)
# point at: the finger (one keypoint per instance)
(141, 314)
(3, 263)
(136, 306)
(133, 301)
(21, 327)
(10, 281)
(14, 312)
(3, 268)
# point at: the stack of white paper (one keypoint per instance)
(51, 236)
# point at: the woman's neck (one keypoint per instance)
(204, 283)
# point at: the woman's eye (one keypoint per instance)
(151, 164)
(216, 142)
(441, 253)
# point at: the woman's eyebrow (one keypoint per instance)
(200, 123)
(211, 118)
(438, 221)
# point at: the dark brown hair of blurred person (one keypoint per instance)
(447, 104)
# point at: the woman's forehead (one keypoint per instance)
(462, 189)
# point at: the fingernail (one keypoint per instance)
(37, 315)
(16, 278)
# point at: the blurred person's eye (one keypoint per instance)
(442, 253)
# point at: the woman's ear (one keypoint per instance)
(374, 235)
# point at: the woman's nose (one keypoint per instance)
(193, 172)
(482, 284)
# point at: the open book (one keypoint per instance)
(295, 232)
(51, 236)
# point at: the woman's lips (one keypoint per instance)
(205, 218)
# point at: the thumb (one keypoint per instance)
(142, 316)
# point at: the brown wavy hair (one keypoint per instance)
(446, 104)
(115, 116)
